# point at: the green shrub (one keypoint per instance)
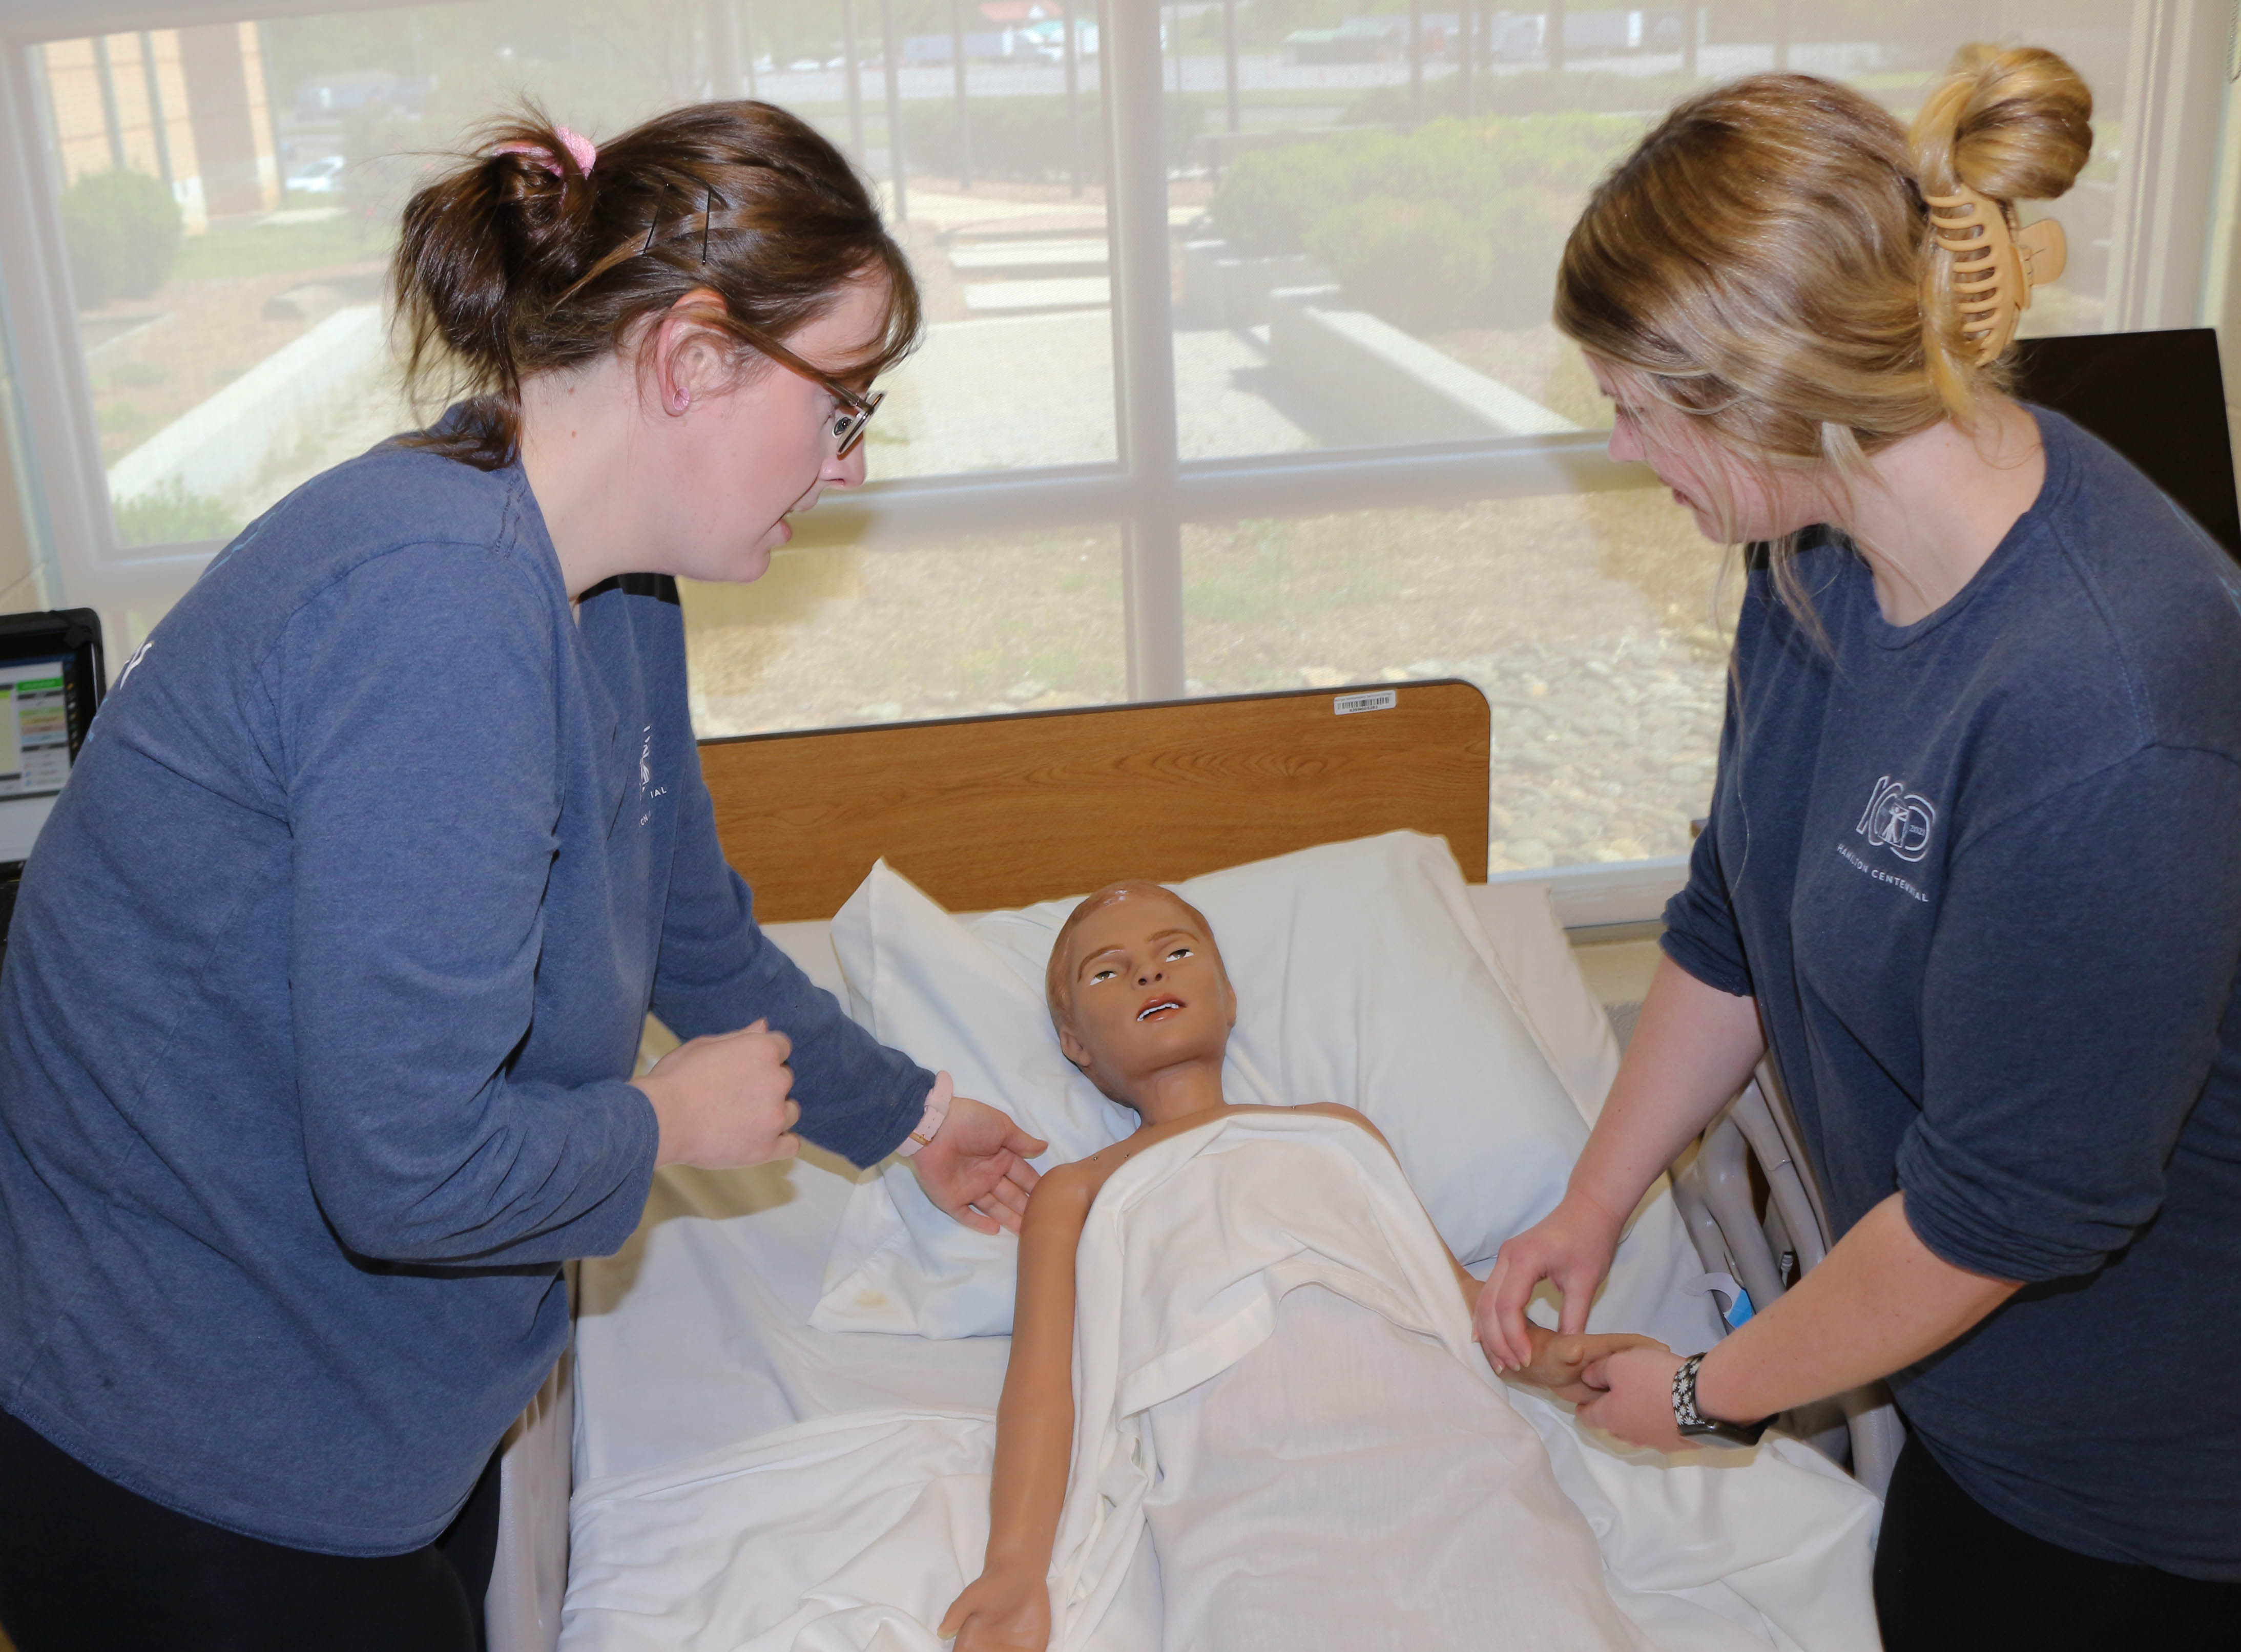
(1416, 263)
(121, 230)
(1534, 92)
(171, 515)
(1457, 222)
(1270, 198)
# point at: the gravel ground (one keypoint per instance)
(1587, 621)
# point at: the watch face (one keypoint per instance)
(1737, 1434)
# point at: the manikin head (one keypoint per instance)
(1140, 1000)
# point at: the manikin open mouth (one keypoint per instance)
(1156, 1006)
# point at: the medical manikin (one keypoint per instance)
(1143, 1006)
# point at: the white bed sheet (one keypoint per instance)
(850, 1532)
(694, 1347)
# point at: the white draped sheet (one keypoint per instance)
(1276, 1391)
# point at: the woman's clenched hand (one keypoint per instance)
(726, 1101)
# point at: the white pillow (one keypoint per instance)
(1358, 981)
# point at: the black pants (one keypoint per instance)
(85, 1564)
(1952, 1577)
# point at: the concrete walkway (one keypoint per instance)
(1012, 392)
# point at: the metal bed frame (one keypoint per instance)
(1765, 1253)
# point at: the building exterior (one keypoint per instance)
(190, 106)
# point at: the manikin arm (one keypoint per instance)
(1008, 1606)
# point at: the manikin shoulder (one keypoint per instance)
(1075, 1186)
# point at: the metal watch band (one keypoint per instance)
(1694, 1425)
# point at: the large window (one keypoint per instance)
(1238, 373)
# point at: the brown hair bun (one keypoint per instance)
(516, 261)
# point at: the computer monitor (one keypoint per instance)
(52, 676)
(2156, 397)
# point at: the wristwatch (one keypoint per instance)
(1698, 1428)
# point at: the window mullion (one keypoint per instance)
(1143, 348)
(2174, 94)
(64, 457)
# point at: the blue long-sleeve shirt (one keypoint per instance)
(324, 982)
(1983, 876)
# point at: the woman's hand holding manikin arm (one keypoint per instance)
(1558, 1363)
(1693, 1047)
(1879, 1301)
(1008, 1608)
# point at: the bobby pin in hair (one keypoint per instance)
(707, 211)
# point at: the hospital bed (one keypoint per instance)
(984, 814)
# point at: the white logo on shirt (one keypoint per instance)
(132, 665)
(1898, 819)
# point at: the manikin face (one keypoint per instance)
(747, 455)
(1149, 992)
(1732, 502)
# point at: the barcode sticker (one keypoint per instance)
(1383, 700)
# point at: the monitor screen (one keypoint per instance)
(2156, 397)
(52, 681)
(34, 732)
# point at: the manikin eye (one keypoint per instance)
(1103, 975)
(1180, 951)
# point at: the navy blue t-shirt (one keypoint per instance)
(1983, 876)
(323, 988)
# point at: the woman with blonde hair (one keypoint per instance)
(1970, 874)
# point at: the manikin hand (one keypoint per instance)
(1002, 1610)
(1637, 1401)
(976, 1166)
(1561, 1360)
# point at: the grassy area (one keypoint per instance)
(231, 251)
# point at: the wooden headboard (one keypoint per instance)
(989, 812)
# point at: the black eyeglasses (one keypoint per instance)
(848, 427)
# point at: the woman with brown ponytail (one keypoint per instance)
(1971, 871)
(324, 986)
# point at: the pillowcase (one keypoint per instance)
(921, 981)
(1359, 980)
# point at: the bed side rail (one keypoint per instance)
(529, 1573)
(1764, 1255)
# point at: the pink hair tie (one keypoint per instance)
(580, 148)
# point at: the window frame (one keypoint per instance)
(2160, 276)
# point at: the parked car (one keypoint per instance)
(322, 177)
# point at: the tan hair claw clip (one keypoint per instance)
(1995, 265)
